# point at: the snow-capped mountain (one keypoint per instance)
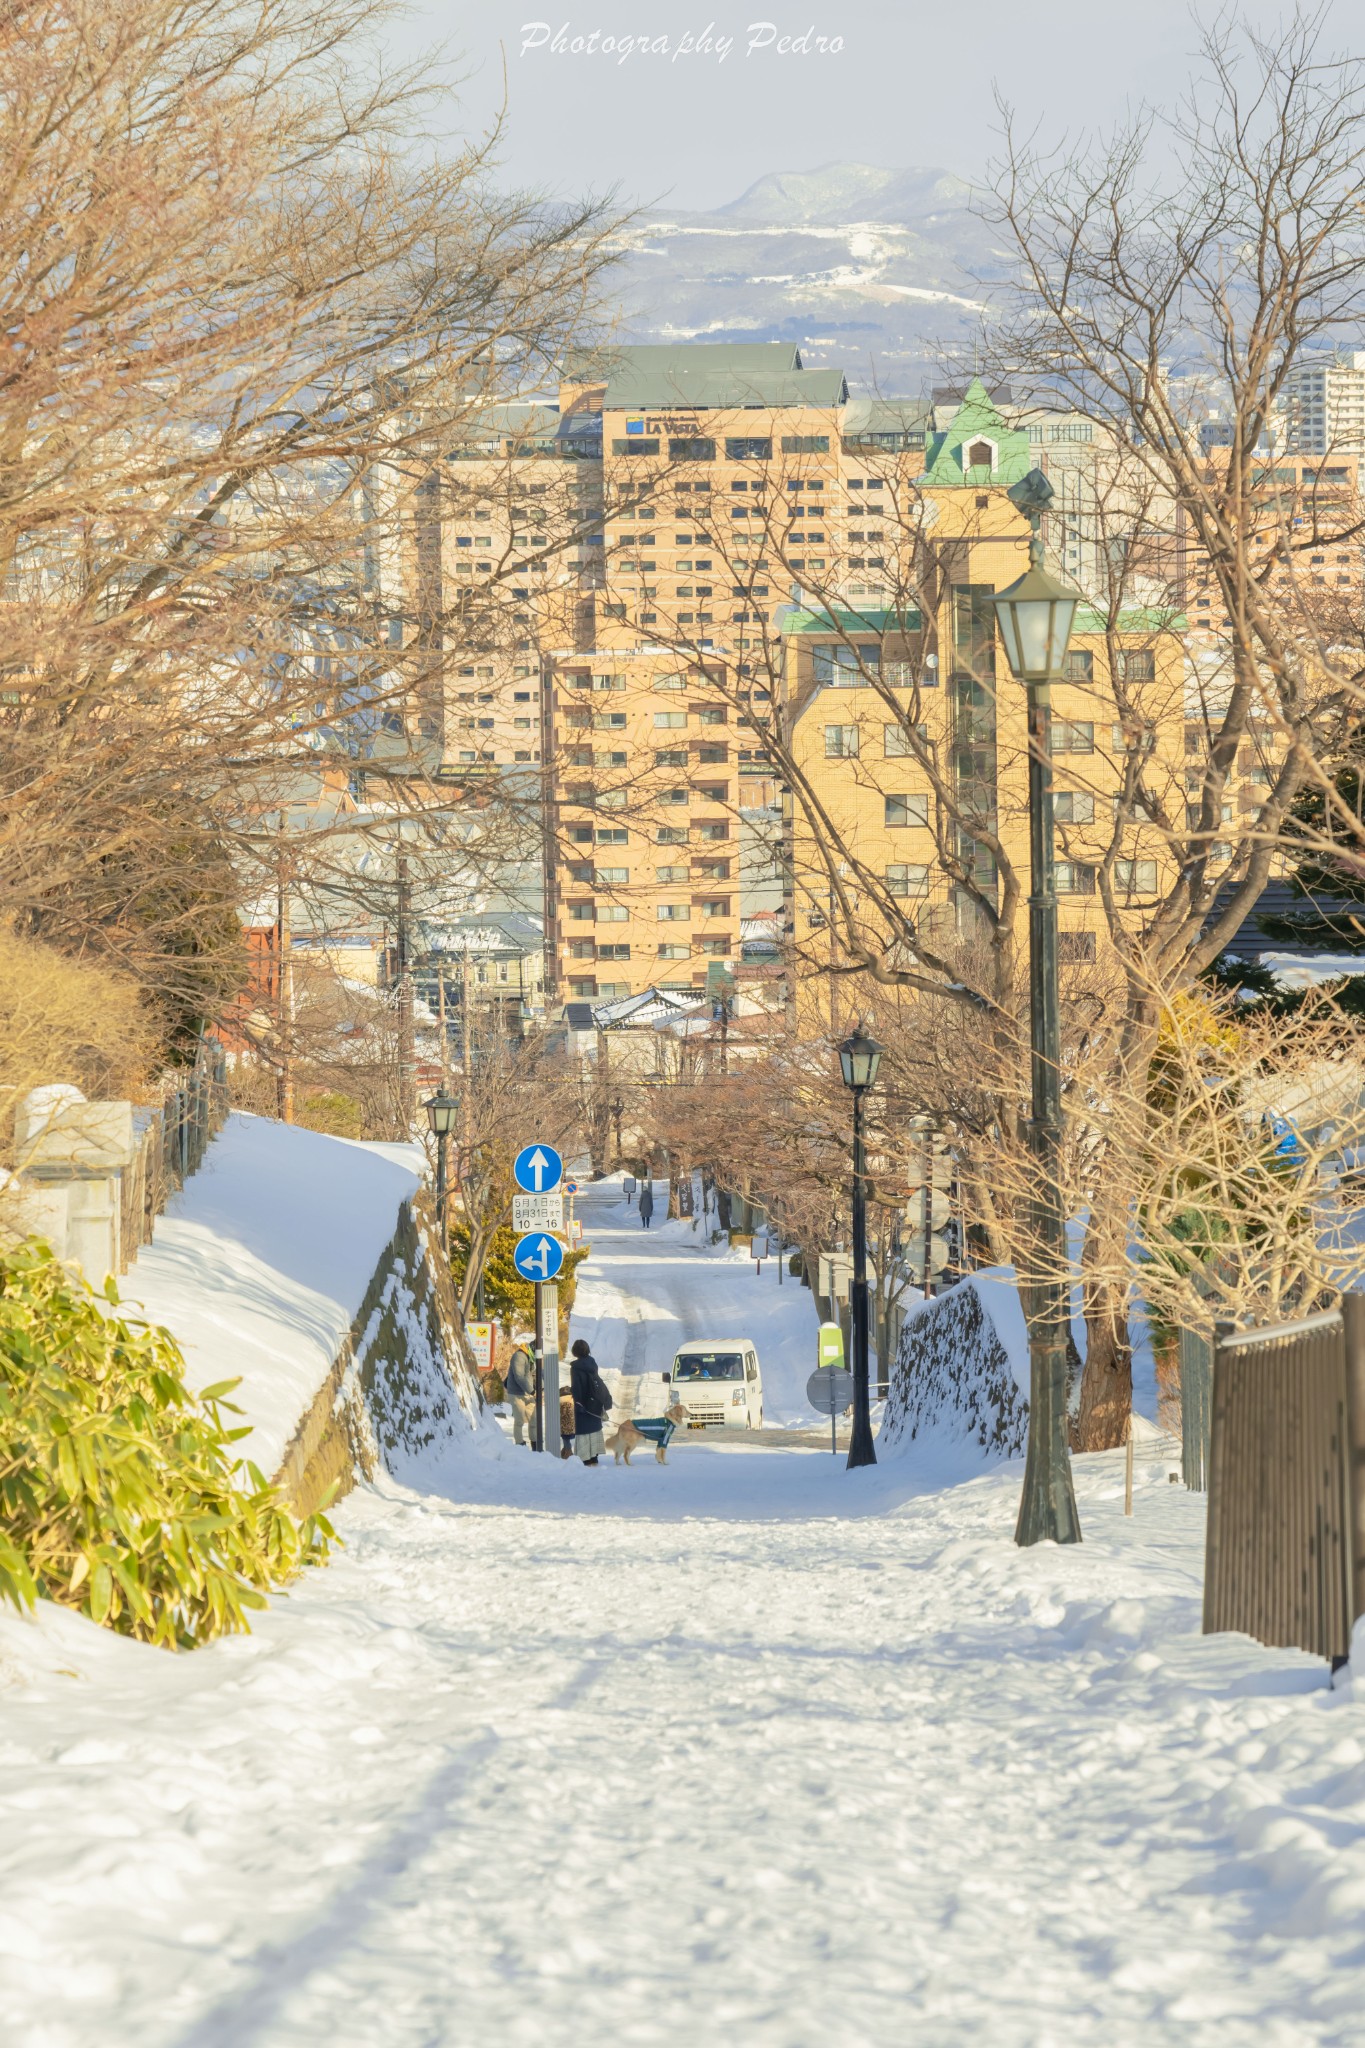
(882, 272)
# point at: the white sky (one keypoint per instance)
(911, 86)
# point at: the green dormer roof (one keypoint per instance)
(975, 425)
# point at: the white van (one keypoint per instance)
(718, 1384)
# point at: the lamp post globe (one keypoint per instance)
(441, 1110)
(1036, 616)
(859, 1059)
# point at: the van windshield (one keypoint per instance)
(709, 1365)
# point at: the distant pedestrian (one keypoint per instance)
(646, 1203)
(566, 1428)
(520, 1381)
(590, 1402)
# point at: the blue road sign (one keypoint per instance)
(538, 1257)
(537, 1169)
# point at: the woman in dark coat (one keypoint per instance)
(590, 1402)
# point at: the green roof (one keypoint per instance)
(1138, 620)
(908, 621)
(975, 420)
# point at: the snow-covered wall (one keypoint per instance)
(960, 1375)
(294, 1263)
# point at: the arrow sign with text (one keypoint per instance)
(538, 1257)
(537, 1169)
(538, 1212)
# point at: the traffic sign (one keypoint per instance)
(571, 1187)
(538, 1257)
(830, 1390)
(912, 1252)
(940, 1208)
(538, 1212)
(537, 1169)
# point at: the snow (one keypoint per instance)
(744, 1748)
(261, 1262)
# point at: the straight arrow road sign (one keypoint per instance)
(537, 1169)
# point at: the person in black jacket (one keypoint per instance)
(590, 1402)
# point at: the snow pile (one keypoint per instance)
(262, 1263)
(961, 1372)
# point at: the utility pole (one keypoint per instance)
(284, 946)
(407, 1041)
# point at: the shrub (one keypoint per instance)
(508, 1299)
(120, 1494)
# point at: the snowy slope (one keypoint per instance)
(261, 1262)
(744, 1749)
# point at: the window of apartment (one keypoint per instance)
(1075, 878)
(612, 913)
(1137, 664)
(671, 835)
(1135, 877)
(582, 949)
(610, 878)
(613, 952)
(908, 878)
(670, 682)
(1078, 666)
(805, 444)
(581, 835)
(691, 448)
(714, 870)
(583, 988)
(673, 796)
(710, 757)
(715, 906)
(905, 810)
(673, 913)
(1073, 807)
(668, 949)
(635, 444)
(1072, 736)
(711, 715)
(608, 721)
(670, 757)
(675, 719)
(748, 448)
(670, 874)
(714, 832)
(841, 742)
(583, 913)
(521, 723)
(609, 682)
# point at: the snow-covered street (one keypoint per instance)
(746, 1748)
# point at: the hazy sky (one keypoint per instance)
(689, 127)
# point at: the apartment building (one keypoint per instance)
(1322, 404)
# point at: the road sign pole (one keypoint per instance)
(538, 1426)
(547, 1353)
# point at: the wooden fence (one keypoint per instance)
(171, 1142)
(1285, 1548)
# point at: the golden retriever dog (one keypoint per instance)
(628, 1438)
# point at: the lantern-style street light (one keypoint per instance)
(859, 1059)
(1036, 616)
(442, 1110)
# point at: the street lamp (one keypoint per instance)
(1036, 615)
(442, 1110)
(859, 1059)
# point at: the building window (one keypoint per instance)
(583, 988)
(613, 835)
(805, 444)
(841, 742)
(1072, 736)
(613, 952)
(670, 757)
(980, 455)
(1078, 665)
(908, 879)
(671, 835)
(748, 448)
(674, 719)
(905, 810)
(673, 913)
(1075, 878)
(670, 875)
(711, 756)
(611, 878)
(710, 715)
(582, 913)
(637, 444)
(1073, 807)
(713, 832)
(716, 906)
(1135, 877)
(691, 448)
(1137, 665)
(612, 913)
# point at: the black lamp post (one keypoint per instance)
(441, 1110)
(1035, 616)
(859, 1059)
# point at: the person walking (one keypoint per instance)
(646, 1203)
(591, 1401)
(520, 1381)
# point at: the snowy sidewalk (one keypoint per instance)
(744, 1748)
